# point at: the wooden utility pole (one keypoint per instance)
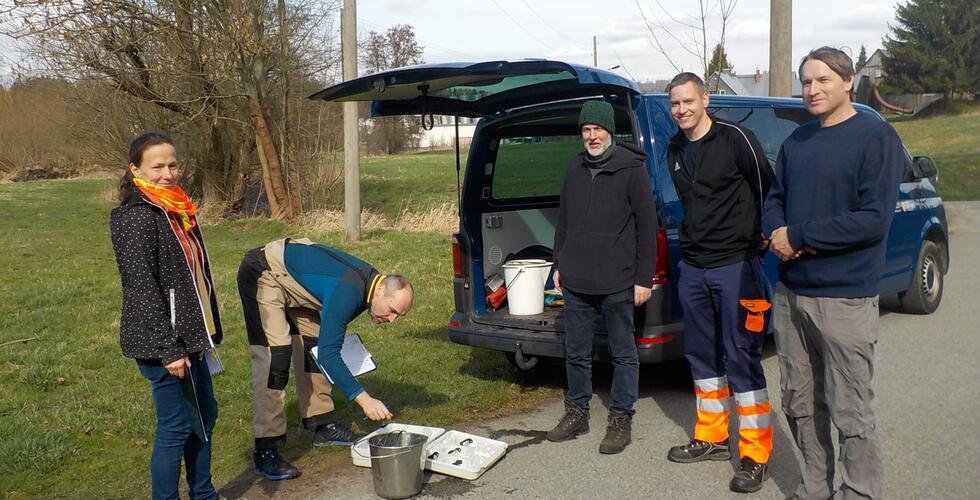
(780, 48)
(352, 167)
(595, 52)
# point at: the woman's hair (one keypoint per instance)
(136, 149)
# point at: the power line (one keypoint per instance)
(546, 22)
(622, 65)
(519, 25)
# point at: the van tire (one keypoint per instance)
(926, 292)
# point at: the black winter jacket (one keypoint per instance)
(153, 269)
(605, 239)
(721, 194)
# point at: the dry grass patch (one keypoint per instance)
(440, 220)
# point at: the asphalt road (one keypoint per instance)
(927, 382)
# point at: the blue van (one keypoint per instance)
(509, 199)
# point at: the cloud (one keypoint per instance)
(748, 31)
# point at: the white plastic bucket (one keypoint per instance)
(525, 281)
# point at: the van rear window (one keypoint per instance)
(532, 167)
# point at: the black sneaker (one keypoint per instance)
(335, 433)
(574, 422)
(271, 466)
(749, 477)
(618, 433)
(698, 450)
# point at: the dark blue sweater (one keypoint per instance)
(835, 190)
(342, 283)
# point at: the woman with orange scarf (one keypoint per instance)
(169, 321)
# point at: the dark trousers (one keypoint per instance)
(725, 356)
(174, 440)
(616, 311)
(716, 343)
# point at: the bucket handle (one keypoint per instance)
(519, 272)
(369, 456)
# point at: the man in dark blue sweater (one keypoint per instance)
(827, 217)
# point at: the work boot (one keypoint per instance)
(573, 423)
(335, 433)
(618, 433)
(271, 466)
(749, 477)
(698, 450)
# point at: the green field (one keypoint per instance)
(76, 418)
(954, 142)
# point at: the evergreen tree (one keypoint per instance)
(934, 47)
(862, 59)
(719, 62)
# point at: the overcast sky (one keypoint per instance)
(471, 30)
(455, 30)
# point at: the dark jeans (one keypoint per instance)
(174, 440)
(616, 310)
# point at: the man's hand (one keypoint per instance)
(373, 408)
(779, 245)
(557, 280)
(179, 368)
(641, 295)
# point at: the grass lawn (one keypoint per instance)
(954, 142)
(76, 418)
(416, 182)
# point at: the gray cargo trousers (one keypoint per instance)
(826, 361)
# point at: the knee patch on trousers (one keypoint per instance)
(279, 366)
(309, 365)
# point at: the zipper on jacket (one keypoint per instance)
(173, 311)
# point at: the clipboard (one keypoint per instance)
(188, 388)
(357, 358)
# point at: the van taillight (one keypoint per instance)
(457, 257)
(660, 274)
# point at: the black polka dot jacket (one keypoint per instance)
(162, 317)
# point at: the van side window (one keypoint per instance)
(770, 125)
(532, 167)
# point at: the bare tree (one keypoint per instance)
(211, 66)
(690, 32)
(395, 48)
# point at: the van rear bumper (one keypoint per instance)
(655, 344)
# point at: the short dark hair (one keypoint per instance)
(136, 149)
(838, 61)
(686, 77)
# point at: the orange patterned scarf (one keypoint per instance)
(173, 200)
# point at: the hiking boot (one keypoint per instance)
(574, 422)
(749, 477)
(271, 466)
(618, 433)
(698, 450)
(335, 433)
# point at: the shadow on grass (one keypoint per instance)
(399, 395)
(486, 364)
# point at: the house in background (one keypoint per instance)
(873, 69)
(750, 85)
(443, 133)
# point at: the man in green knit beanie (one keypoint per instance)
(604, 263)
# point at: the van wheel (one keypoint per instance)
(927, 284)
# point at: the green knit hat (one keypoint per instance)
(598, 113)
